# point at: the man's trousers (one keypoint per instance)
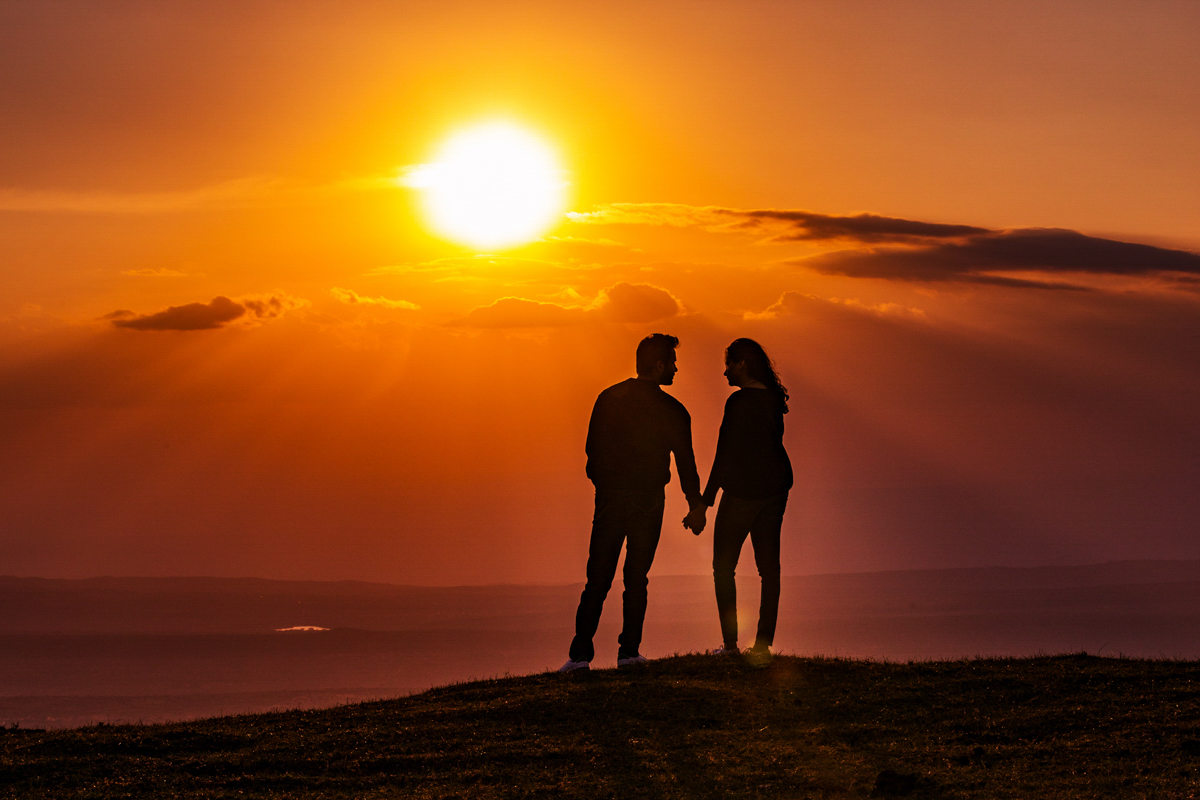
(635, 520)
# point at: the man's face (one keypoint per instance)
(667, 377)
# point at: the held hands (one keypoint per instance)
(696, 518)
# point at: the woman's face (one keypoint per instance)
(735, 373)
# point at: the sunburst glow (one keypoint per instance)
(491, 186)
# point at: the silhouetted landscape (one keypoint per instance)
(685, 727)
(78, 652)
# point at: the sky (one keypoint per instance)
(232, 344)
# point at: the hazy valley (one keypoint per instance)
(74, 652)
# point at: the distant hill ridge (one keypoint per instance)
(231, 605)
(1130, 571)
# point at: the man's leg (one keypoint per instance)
(729, 534)
(604, 550)
(643, 526)
(764, 536)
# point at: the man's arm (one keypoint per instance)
(689, 479)
(685, 460)
(595, 436)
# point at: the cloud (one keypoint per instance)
(1188, 283)
(354, 298)
(977, 259)
(865, 228)
(911, 250)
(796, 302)
(673, 214)
(517, 312)
(271, 306)
(636, 302)
(779, 224)
(206, 316)
(622, 302)
(574, 247)
(191, 317)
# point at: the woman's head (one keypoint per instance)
(759, 366)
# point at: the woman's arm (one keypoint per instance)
(717, 475)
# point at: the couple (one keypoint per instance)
(634, 429)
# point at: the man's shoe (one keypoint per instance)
(574, 666)
(624, 662)
(725, 650)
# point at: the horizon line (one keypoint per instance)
(548, 585)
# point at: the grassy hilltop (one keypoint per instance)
(683, 727)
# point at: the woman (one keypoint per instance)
(753, 469)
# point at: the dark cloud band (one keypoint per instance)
(976, 259)
(865, 228)
(206, 316)
(902, 249)
(777, 224)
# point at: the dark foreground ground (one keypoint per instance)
(686, 727)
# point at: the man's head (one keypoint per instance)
(656, 358)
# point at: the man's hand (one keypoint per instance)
(696, 518)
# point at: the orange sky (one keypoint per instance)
(967, 232)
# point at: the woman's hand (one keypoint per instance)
(696, 518)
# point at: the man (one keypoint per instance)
(635, 427)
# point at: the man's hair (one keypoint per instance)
(655, 348)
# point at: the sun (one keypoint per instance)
(491, 186)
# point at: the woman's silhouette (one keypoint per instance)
(753, 470)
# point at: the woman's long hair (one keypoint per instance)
(759, 366)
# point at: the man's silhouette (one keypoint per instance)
(634, 429)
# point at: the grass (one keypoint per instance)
(683, 727)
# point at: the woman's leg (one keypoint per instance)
(764, 536)
(729, 534)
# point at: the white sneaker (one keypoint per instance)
(572, 666)
(724, 651)
(632, 661)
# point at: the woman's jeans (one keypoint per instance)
(761, 519)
